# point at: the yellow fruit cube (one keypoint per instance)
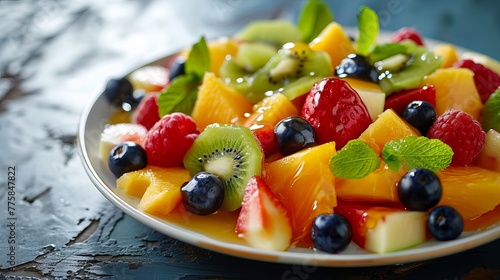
(158, 188)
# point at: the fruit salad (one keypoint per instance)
(298, 135)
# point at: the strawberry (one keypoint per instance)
(169, 139)
(407, 33)
(463, 134)
(336, 112)
(146, 112)
(399, 100)
(265, 136)
(263, 220)
(384, 229)
(486, 80)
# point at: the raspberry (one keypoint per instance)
(407, 33)
(146, 112)
(169, 139)
(486, 80)
(463, 134)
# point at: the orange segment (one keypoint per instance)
(455, 89)
(334, 41)
(271, 110)
(471, 190)
(304, 184)
(218, 50)
(380, 186)
(218, 103)
(389, 126)
(448, 53)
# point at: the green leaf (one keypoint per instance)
(354, 161)
(417, 152)
(314, 17)
(368, 27)
(179, 96)
(198, 61)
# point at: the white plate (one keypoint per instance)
(92, 122)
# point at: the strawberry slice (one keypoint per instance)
(399, 100)
(382, 229)
(146, 112)
(263, 220)
(336, 112)
(265, 136)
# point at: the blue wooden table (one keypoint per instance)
(55, 56)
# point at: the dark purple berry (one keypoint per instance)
(420, 189)
(126, 157)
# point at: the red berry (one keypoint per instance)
(463, 134)
(265, 136)
(407, 33)
(336, 112)
(146, 112)
(399, 100)
(169, 139)
(486, 80)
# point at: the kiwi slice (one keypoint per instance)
(254, 55)
(291, 63)
(393, 63)
(410, 76)
(230, 152)
(275, 32)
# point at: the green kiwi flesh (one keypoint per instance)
(275, 32)
(291, 63)
(230, 152)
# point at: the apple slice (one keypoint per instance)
(263, 220)
(383, 229)
(489, 157)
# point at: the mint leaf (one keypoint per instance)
(417, 152)
(182, 92)
(198, 61)
(368, 27)
(354, 161)
(179, 96)
(314, 17)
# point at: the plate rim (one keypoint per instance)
(311, 257)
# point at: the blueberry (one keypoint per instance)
(420, 189)
(420, 114)
(293, 134)
(177, 68)
(126, 157)
(203, 194)
(445, 223)
(119, 91)
(331, 233)
(355, 65)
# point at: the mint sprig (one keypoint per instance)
(182, 92)
(417, 152)
(198, 61)
(314, 17)
(369, 28)
(357, 159)
(354, 161)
